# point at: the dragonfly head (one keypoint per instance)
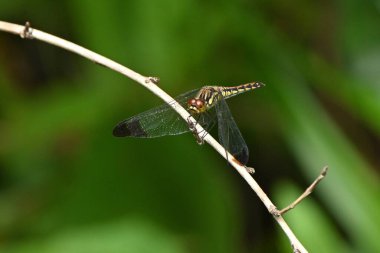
(196, 105)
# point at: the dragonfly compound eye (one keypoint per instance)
(196, 105)
(191, 102)
(199, 104)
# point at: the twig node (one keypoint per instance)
(27, 33)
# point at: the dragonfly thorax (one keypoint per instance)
(196, 105)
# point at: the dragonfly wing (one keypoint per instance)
(156, 122)
(229, 133)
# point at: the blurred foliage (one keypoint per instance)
(67, 185)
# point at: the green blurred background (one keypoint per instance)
(67, 185)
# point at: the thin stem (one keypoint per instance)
(150, 83)
(306, 193)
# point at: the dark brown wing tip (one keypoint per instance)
(121, 131)
(242, 156)
(131, 128)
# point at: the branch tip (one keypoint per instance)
(325, 170)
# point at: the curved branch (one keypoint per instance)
(28, 32)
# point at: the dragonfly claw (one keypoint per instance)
(193, 130)
(152, 79)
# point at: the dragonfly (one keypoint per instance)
(207, 105)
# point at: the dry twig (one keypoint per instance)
(150, 83)
(306, 193)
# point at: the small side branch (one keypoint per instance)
(27, 32)
(306, 193)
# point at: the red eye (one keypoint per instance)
(192, 102)
(199, 103)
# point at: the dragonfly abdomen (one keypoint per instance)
(228, 92)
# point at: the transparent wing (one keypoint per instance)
(156, 122)
(229, 133)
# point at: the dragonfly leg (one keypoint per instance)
(193, 130)
(208, 127)
(207, 122)
(152, 79)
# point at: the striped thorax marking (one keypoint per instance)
(208, 96)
